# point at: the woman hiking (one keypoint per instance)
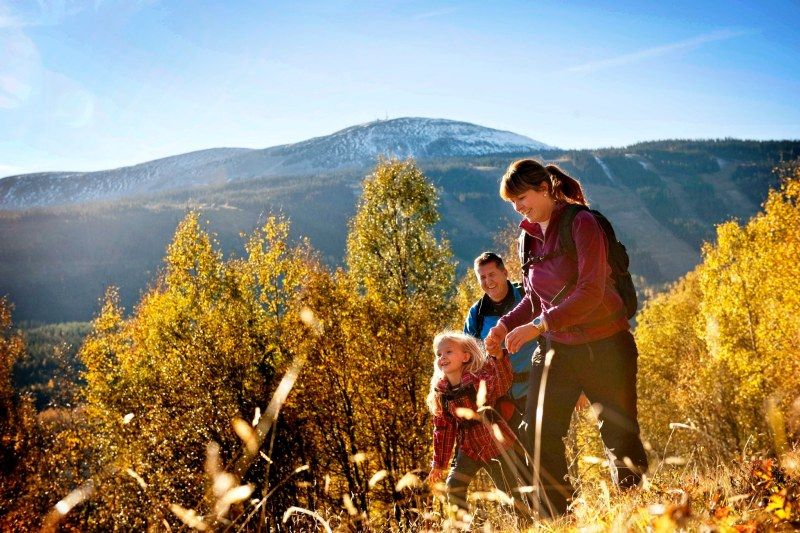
(573, 307)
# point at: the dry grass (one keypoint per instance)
(677, 494)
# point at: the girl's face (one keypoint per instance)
(535, 205)
(451, 358)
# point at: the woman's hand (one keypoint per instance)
(494, 340)
(519, 336)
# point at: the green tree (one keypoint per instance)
(371, 368)
(391, 247)
(51, 369)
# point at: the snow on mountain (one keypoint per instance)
(352, 148)
(55, 188)
(415, 137)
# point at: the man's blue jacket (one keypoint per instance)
(483, 316)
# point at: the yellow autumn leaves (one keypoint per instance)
(723, 344)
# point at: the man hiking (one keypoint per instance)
(499, 297)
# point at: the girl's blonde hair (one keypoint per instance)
(477, 358)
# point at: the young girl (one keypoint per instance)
(459, 367)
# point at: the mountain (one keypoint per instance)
(350, 149)
(58, 188)
(663, 197)
(421, 138)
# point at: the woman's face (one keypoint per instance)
(535, 205)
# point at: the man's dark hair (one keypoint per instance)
(489, 257)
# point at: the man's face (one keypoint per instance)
(493, 280)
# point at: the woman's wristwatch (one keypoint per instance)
(540, 324)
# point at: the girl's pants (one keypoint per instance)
(502, 471)
(604, 370)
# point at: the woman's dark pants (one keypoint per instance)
(605, 371)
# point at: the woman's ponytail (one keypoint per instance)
(526, 174)
(565, 188)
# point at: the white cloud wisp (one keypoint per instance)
(657, 51)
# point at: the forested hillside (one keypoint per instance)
(664, 198)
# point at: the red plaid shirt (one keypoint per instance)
(476, 440)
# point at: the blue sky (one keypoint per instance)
(87, 85)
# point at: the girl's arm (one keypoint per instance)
(499, 377)
(444, 438)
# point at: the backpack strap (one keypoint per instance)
(479, 319)
(504, 405)
(527, 259)
(455, 393)
(522, 245)
(617, 256)
(565, 240)
(566, 245)
(619, 262)
(519, 287)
